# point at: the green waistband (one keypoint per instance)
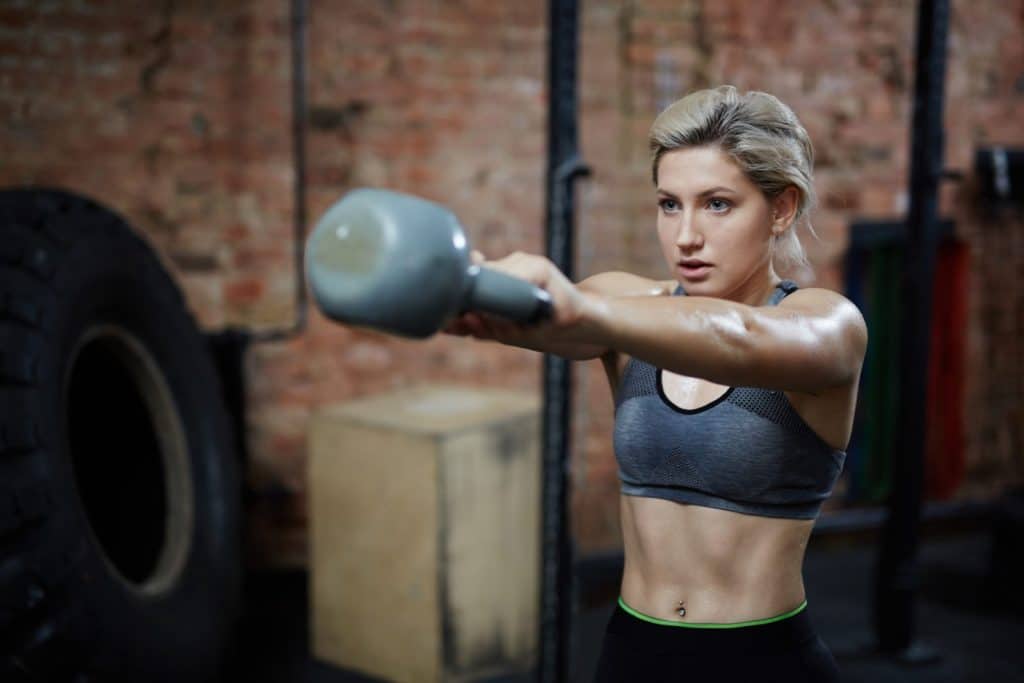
(736, 624)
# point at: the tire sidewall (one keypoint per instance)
(113, 278)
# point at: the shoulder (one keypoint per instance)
(620, 283)
(819, 300)
(832, 307)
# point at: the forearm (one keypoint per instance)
(530, 337)
(700, 338)
(564, 349)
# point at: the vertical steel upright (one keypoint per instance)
(564, 167)
(300, 90)
(896, 571)
(299, 28)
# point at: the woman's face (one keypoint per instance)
(714, 225)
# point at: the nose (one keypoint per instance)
(689, 237)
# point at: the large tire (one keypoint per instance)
(120, 551)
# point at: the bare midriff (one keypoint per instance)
(723, 566)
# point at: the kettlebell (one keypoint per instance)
(401, 264)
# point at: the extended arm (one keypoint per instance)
(814, 339)
(539, 339)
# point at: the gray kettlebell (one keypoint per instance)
(401, 264)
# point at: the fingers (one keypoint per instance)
(477, 326)
(541, 272)
(538, 271)
(470, 325)
(459, 327)
(533, 269)
(483, 327)
(456, 327)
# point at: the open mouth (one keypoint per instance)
(693, 270)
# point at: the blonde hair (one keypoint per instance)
(761, 134)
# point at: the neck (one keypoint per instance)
(756, 289)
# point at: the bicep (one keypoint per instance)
(816, 337)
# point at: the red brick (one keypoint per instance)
(243, 292)
(453, 106)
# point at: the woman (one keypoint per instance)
(734, 393)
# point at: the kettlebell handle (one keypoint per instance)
(498, 293)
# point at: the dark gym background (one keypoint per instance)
(179, 115)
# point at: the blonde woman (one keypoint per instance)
(734, 396)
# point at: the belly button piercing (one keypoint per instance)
(681, 609)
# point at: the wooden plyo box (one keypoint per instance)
(425, 534)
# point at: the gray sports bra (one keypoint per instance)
(748, 451)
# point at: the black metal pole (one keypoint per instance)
(896, 578)
(299, 12)
(564, 166)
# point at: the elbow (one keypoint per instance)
(847, 338)
(855, 347)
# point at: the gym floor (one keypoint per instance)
(979, 639)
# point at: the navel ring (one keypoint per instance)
(681, 609)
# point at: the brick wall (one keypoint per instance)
(847, 70)
(177, 114)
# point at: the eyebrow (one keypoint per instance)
(705, 193)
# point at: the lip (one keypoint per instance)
(694, 269)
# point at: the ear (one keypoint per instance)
(784, 208)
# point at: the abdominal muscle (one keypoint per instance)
(724, 566)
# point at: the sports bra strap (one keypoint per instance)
(781, 291)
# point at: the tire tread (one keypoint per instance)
(42, 234)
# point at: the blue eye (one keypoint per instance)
(668, 205)
(718, 205)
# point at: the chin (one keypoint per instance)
(702, 288)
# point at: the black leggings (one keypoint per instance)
(783, 651)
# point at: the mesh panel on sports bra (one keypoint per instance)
(680, 470)
(638, 379)
(771, 405)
